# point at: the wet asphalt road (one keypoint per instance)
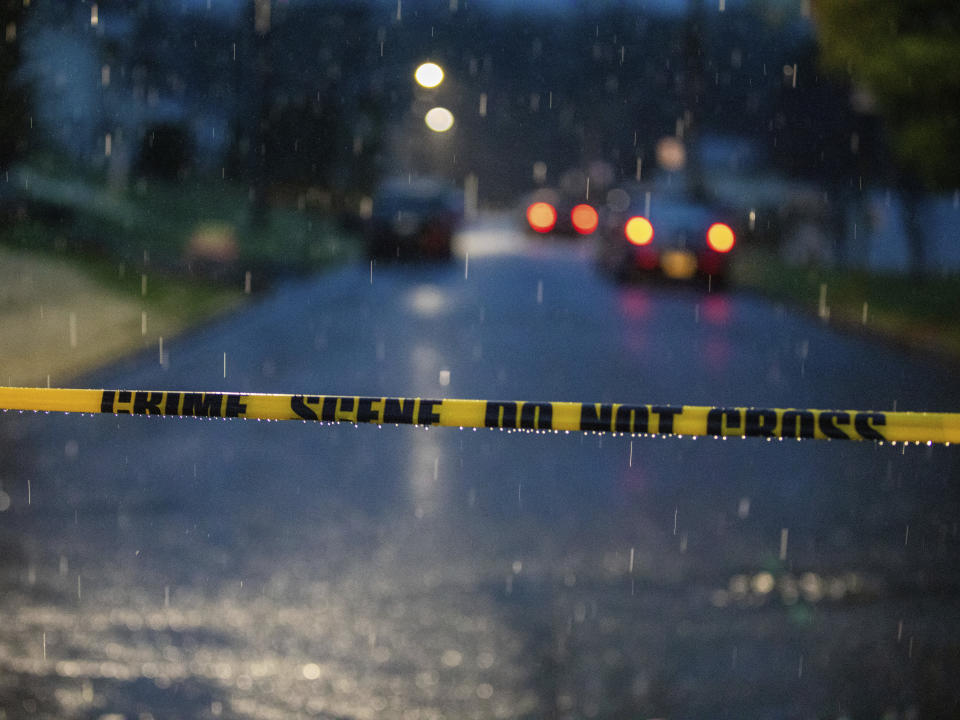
(159, 567)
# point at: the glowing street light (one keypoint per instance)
(671, 154)
(439, 119)
(429, 75)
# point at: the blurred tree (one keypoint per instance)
(902, 59)
(13, 97)
(905, 56)
(812, 122)
(816, 135)
(305, 115)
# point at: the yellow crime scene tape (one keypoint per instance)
(912, 427)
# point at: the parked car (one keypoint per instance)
(414, 219)
(552, 211)
(656, 234)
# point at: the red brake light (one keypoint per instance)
(720, 238)
(542, 217)
(584, 219)
(638, 230)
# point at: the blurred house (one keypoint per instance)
(809, 223)
(876, 232)
(102, 78)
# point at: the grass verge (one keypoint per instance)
(917, 314)
(89, 274)
(62, 317)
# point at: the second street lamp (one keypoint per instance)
(439, 119)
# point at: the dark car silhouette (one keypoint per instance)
(413, 219)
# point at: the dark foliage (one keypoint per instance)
(166, 152)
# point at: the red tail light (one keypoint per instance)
(638, 230)
(720, 238)
(542, 217)
(584, 219)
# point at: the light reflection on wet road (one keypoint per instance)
(169, 568)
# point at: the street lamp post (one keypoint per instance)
(429, 75)
(423, 140)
